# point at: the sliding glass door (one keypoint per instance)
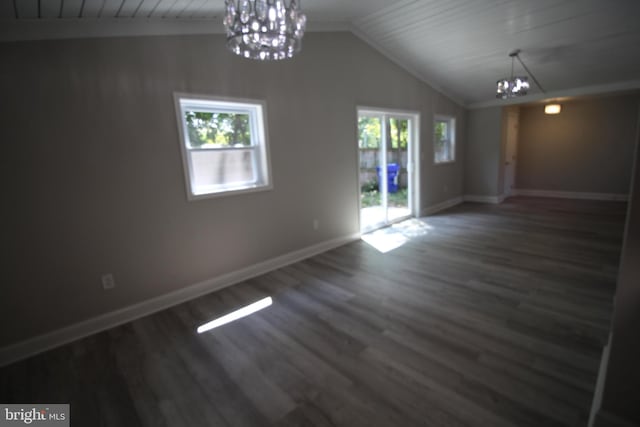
(385, 143)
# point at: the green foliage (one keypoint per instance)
(369, 186)
(399, 199)
(218, 129)
(399, 130)
(368, 132)
(369, 198)
(440, 131)
(372, 198)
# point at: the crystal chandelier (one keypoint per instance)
(514, 86)
(264, 29)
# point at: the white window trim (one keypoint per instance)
(259, 121)
(452, 120)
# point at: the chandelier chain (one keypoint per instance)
(530, 73)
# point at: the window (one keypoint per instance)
(444, 144)
(224, 145)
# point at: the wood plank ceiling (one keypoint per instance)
(462, 46)
(459, 46)
(319, 10)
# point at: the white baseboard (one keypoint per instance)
(457, 200)
(441, 206)
(33, 346)
(484, 199)
(571, 195)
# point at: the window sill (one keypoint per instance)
(233, 191)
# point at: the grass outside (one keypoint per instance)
(398, 199)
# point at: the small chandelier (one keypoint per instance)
(264, 29)
(514, 86)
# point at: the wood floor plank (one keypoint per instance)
(488, 316)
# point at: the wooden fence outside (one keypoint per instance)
(368, 161)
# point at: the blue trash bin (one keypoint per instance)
(392, 177)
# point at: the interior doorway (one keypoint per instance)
(511, 152)
(386, 174)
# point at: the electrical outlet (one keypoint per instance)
(108, 282)
(316, 224)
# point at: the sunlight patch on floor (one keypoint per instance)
(235, 315)
(390, 238)
(376, 215)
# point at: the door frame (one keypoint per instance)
(413, 153)
(512, 119)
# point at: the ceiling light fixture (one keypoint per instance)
(515, 86)
(264, 29)
(552, 109)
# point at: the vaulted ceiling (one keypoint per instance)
(458, 46)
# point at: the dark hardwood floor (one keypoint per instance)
(487, 316)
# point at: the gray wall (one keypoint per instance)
(94, 182)
(483, 152)
(621, 391)
(588, 147)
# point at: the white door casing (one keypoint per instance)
(511, 152)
